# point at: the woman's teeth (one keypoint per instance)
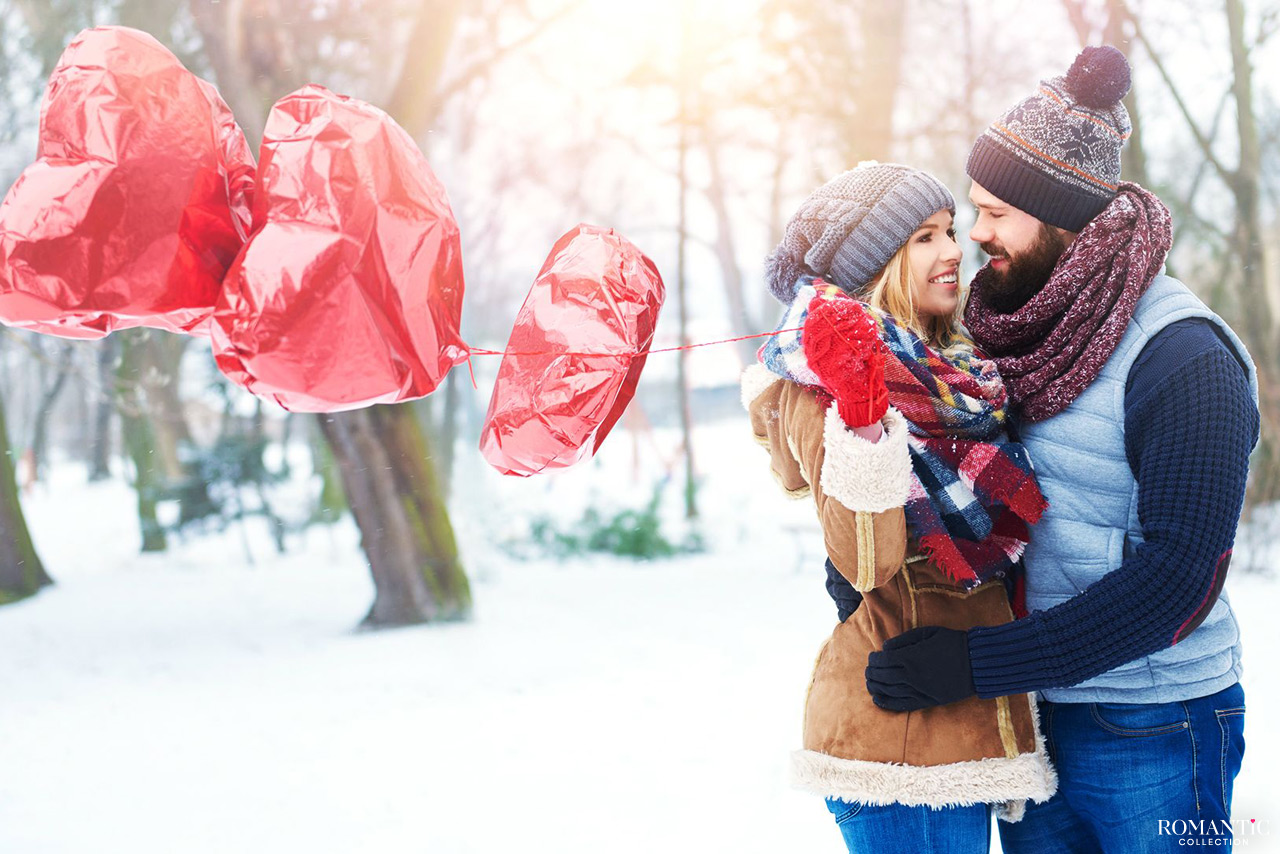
(946, 279)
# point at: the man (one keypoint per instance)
(1138, 407)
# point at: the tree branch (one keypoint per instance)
(414, 99)
(1190, 198)
(478, 68)
(1267, 26)
(1205, 143)
(1075, 14)
(419, 95)
(101, 393)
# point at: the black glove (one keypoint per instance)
(924, 667)
(841, 591)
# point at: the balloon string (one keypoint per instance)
(725, 340)
(482, 351)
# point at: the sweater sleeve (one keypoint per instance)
(841, 592)
(1188, 436)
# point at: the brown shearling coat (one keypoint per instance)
(973, 751)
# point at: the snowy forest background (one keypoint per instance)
(611, 658)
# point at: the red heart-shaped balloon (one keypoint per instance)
(349, 291)
(138, 201)
(575, 354)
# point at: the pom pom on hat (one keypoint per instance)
(1099, 77)
(783, 269)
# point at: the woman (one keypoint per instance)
(870, 398)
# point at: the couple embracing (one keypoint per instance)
(1028, 497)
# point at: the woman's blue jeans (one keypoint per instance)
(1137, 778)
(951, 830)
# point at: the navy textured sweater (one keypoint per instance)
(1190, 424)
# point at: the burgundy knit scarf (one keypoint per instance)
(1051, 349)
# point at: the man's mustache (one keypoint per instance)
(993, 250)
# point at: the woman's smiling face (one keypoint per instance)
(935, 266)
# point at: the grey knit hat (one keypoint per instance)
(1056, 154)
(851, 226)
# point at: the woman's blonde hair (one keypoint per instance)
(891, 292)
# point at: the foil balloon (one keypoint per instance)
(575, 354)
(349, 291)
(138, 200)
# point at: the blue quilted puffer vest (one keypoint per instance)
(1092, 520)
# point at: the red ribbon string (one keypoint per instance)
(484, 351)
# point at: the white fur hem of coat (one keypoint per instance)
(755, 379)
(867, 476)
(1007, 783)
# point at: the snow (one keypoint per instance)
(193, 702)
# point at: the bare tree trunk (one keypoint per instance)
(160, 358)
(877, 85)
(726, 252)
(446, 439)
(104, 409)
(40, 430)
(414, 100)
(1133, 163)
(1075, 10)
(777, 218)
(258, 467)
(682, 238)
(332, 503)
(406, 535)
(1258, 280)
(233, 37)
(1247, 188)
(139, 438)
(972, 124)
(21, 572)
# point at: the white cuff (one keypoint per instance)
(755, 379)
(867, 476)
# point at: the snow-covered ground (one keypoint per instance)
(191, 702)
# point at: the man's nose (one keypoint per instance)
(981, 232)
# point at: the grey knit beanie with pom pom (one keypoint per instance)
(851, 226)
(1056, 155)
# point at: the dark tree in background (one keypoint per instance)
(103, 404)
(139, 437)
(21, 572)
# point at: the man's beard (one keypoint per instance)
(1005, 291)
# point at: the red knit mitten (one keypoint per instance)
(843, 347)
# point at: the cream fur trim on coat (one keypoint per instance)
(861, 475)
(1013, 811)
(755, 379)
(1008, 783)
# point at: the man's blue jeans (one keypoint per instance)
(952, 830)
(1137, 778)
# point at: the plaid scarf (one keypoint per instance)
(972, 490)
